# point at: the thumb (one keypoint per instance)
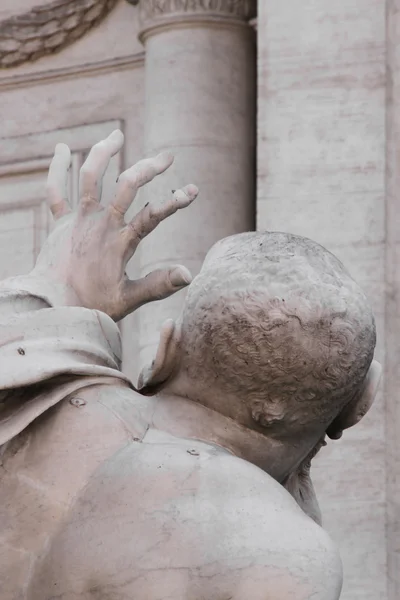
(157, 285)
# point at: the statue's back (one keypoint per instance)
(186, 520)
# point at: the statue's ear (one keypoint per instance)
(359, 406)
(166, 361)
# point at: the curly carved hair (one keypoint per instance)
(275, 320)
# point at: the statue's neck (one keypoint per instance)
(184, 418)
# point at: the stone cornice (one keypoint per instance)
(157, 14)
(48, 28)
(112, 65)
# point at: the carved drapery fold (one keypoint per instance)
(49, 28)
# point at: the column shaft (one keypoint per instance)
(200, 105)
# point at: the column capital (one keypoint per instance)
(156, 14)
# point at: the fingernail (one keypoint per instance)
(191, 190)
(180, 277)
(62, 149)
(116, 134)
(165, 157)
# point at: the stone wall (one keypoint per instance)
(321, 174)
(392, 333)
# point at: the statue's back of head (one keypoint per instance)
(277, 322)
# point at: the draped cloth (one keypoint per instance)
(49, 352)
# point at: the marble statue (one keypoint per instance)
(195, 484)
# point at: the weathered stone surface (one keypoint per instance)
(321, 173)
(49, 25)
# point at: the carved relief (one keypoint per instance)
(49, 28)
(242, 9)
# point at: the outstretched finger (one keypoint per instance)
(93, 169)
(57, 182)
(150, 216)
(132, 179)
(157, 285)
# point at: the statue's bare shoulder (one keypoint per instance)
(184, 519)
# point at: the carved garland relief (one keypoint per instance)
(48, 28)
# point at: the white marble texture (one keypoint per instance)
(392, 301)
(321, 174)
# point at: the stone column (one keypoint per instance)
(199, 104)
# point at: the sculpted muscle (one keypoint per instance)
(188, 521)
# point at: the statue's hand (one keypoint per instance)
(89, 248)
